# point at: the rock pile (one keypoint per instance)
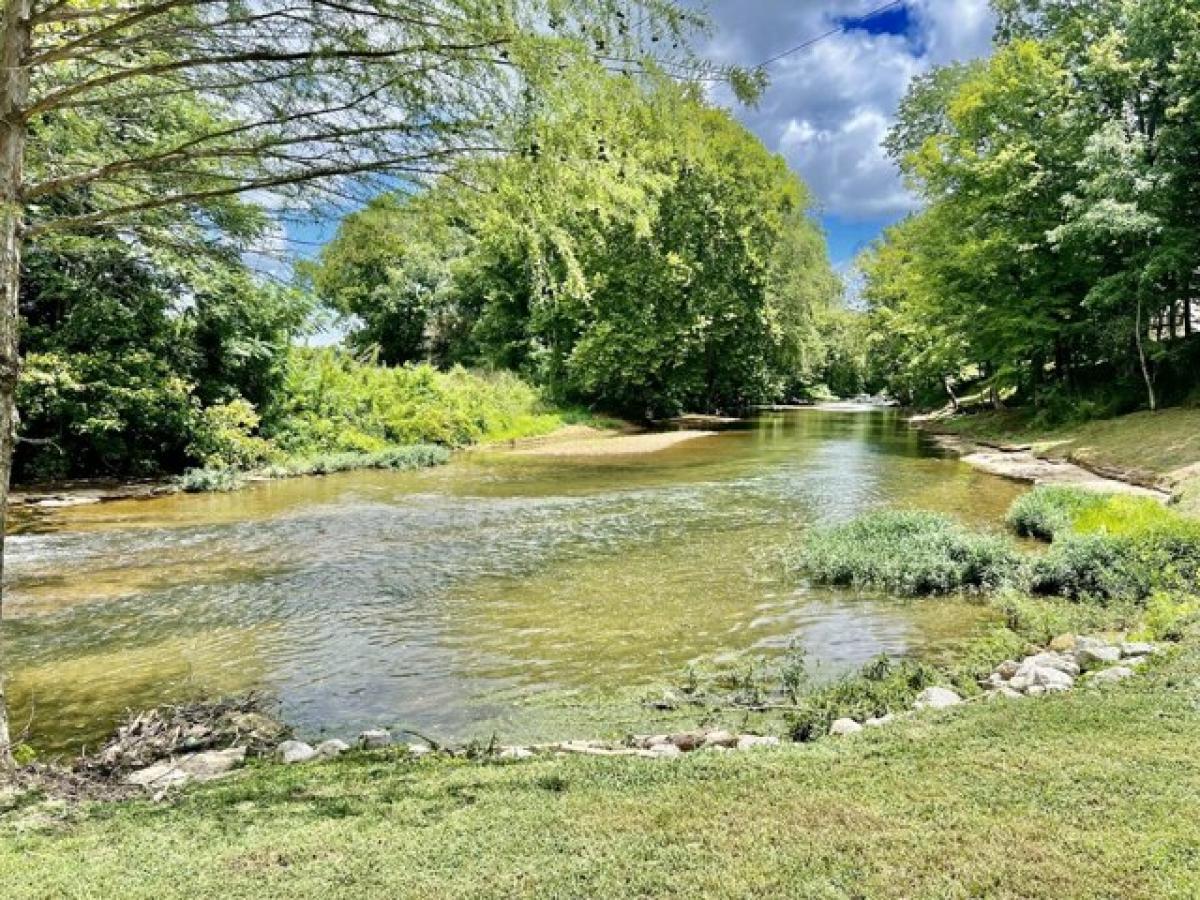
(1068, 658)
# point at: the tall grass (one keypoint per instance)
(909, 553)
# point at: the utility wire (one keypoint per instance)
(879, 10)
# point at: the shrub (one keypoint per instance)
(199, 481)
(911, 553)
(1038, 620)
(1126, 549)
(225, 437)
(1046, 512)
(881, 687)
(1168, 615)
(333, 402)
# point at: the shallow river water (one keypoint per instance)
(472, 598)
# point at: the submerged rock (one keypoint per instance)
(294, 752)
(844, 728)
(937, 698)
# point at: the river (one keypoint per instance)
(500, 593)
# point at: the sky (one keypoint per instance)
(829, 106)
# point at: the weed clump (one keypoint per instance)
(882, 686)
(908, 553)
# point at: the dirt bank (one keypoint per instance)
(610, 445)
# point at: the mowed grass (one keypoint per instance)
(1161, 447)
(1088, 794)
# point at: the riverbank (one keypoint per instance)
(1159, 452)
(1089, 793)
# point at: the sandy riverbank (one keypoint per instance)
(601, 444)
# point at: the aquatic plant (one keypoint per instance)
(906, 552)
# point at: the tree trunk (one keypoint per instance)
(14, 92)
(950, 391)
(1141, 351)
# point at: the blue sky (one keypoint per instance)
(829, 106)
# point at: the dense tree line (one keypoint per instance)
(1057, 259)
(643, 253)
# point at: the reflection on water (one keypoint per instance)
(442, 599)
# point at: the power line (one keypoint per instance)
(830, 33)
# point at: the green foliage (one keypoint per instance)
(909, 553)
(1169, 615)
(334, 402)
(1055, 257)
(1048, 512)
(225, 437)
(1038, 620)
(645, 254)
(418, 456)
(882, 686)
(1120, 548)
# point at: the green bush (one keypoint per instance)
(882, 686)
(333, 402)
(910, 553)
(1046, 512)
(201, 481)
(1124, 549)
(226, 437)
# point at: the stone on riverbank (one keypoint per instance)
(723, 739)
(290, 752)
(331, 748)
(1096, 656)
(1111, 675)
(752, 741)
(844, 728)
(936, 698)
(206, 766)
(375, 739)
(1134, 649)
(879, 721)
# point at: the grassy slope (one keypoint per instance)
(1161, 447)
(1082, 795)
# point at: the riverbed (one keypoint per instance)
(505, 593)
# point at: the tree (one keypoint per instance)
(1059, 241)
(646, 254)
(327, 92)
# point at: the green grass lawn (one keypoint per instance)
(1162, 447)
(1090, 794)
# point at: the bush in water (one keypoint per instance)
(910, 553)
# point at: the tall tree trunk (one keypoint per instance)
(14, 92)
(950, 391)
(1141, 351)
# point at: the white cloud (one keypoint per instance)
(829, 106)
